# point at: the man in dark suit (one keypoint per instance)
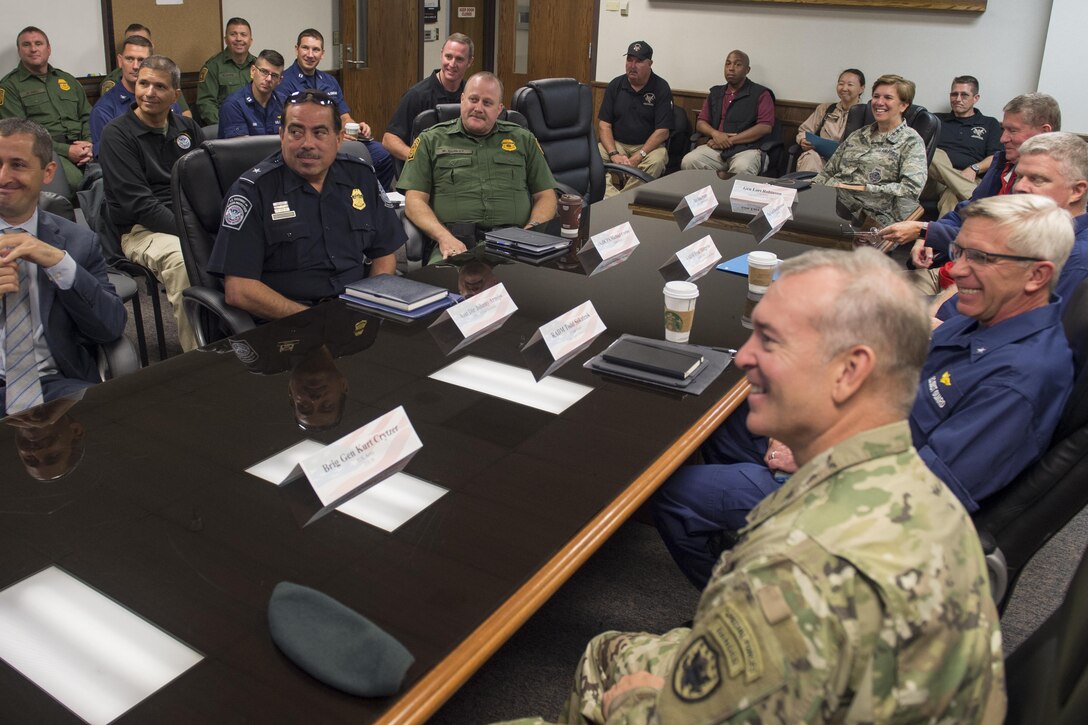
(57, 299)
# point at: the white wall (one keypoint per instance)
(798, 50)
(432, 51)
(1062, 75)
(276, 24)
(75, 34)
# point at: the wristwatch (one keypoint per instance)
(613, 153)
(643, 152)
(925, 228)
(976, 168)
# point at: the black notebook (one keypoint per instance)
(678, 364)
(397, 292)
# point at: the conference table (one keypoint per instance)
(159, 515)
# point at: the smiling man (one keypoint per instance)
(304, 222)
(444, 85)
(51, 97)
(475, 173)
(138, 150)
(858, 592)
(635, 118)
(992, 387)
(226, 71)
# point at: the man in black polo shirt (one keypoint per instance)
(735, 117)
(137, 151)
(444, 85)
(636, 117)
(967, 145)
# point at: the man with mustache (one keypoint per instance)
(478, 172)
(306, 221)
(635, 119)
(965, 149)
(226, 71)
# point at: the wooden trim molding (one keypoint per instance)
(959, 6)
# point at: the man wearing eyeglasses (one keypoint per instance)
(255, 110)
(992, 388)
(306, 221)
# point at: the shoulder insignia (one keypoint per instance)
(411, 151)
(697, 674)
(63, 84)
(184, 142)
(235, 211)
(946, 379)
(107, 86)
(357, 201)
(1, 96)
(359, 327)
(509, 145)
(203, 74)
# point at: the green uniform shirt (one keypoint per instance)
(858, 594)
(488, 179)
(114, 77)
(219, 77)
(55, 100)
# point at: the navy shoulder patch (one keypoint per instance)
(235, 211)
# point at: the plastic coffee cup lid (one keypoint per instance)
(682, 290)
(764, 259)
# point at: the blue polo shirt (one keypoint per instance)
(116, 101)
(242, 115)
(295, 80)
(990, 399)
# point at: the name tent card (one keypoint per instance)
(695, 208)
(556, 342)
(608, 249)
(691, 262)
(770, 220)
(476, 317)
(349, 466)
(758, 193)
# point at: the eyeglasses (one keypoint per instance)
(268, 74)
(311, 96)
(980, 258)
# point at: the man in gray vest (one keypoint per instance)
(735, 118)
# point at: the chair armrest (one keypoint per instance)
(117, 358)
(416, 244)
(195, 299)
(630, 171)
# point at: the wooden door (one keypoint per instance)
(476, 19)
(375, 78)
(545, 39)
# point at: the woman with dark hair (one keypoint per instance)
(829, 120)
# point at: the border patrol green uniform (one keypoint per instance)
(114, 77)
(219, 77)
(858, 594)
(488, 179)
(56, 101)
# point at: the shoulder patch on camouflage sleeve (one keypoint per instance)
(698, 671)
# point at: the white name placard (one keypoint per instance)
(488, 308)
(361, 456)
(758, 193)
(778, 212)
(614, 241)
(700, 256)
(701, 204)
(566, 333)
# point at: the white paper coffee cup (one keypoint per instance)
(761, 266)
(679, 310)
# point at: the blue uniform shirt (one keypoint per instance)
(116, 101)
(242, 115)
(295, 80)
(990, 399)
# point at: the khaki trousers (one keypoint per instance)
(654, 165)
(161, 253)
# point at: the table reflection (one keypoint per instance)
(48, 439)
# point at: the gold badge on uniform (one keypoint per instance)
(412, 151)
(359, 327)
(357, 200)
(697, 673)
(203, 74)
(63, 84)
(508, 145)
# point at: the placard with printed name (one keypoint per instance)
(691, 262)
(759, 193)
(349, 466)
(770, 220)
(557, 342)
(473, 319)
(695, 208)
(608, 249)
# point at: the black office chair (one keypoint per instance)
(1018, 520)
(198, 183)
(679, 142)
(210, 132)
(772, 150)
(123, 284)
(59, 185)
(560, 114)
(1045, 677)
(919, 118)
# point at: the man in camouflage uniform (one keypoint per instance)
(55, 99)
(225, 72)
(858, 591)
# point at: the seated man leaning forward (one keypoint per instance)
(304, 222)
(735, 117)
(58, 299)
(858, 592)
(476, 170)
(991, 392)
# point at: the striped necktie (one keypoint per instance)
(23, 389)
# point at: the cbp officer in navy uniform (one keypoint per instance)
(306, 221)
